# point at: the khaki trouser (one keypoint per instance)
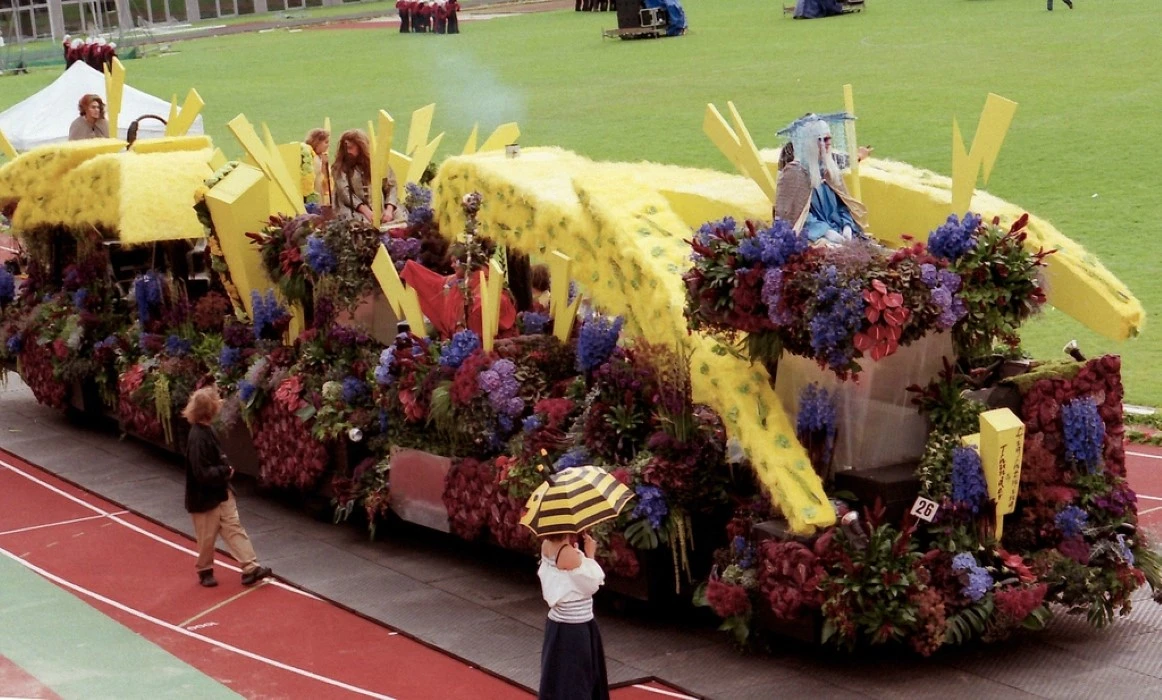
(223, 519)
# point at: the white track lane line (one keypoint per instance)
(1144, 454)
(30, 528)
(667, 693)
(135, 528)
(193, 635)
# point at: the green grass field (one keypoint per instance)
(1078, 153)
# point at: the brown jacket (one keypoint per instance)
(793, 196)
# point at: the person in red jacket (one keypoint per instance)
(442, 300)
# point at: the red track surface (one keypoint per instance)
(267, 641)
(1144, 471)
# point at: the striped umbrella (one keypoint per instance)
(574, 500)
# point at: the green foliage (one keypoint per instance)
(970, 623)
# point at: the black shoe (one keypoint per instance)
(255, 575)
(1068, 3)
(206, 578)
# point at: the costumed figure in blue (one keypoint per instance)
(810, 192)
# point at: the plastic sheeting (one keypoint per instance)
(877, 424)
(674, 10)
(45, 117)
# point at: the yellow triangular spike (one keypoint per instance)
(399, 163)
(114, 89)
(421, 158)
(723, 137)
(749, 156)
(6, 147)
(986, 145)
(852, 143)
(380, 154)
(180, 124)
(470, 145)
(420, 127)
(327, 124)
(268, 161)
(504, 135)
(173, 114)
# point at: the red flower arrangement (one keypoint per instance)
(789, 576)
(288, 455)
(727, 599)
(135, 419)
(36, 369)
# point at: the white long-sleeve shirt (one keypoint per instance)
(570, 593)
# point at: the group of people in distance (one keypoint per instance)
(345, 185)
(428, 16)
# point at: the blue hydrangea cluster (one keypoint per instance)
(419, 202)
(312, 208)
(384, 371)
(773, 246)
(109, 343)
(383, 420)
(968, 484)
(1071, 520)
(532, 424)
(977, 580)
(267, 312)
(743, 551)
(954, 238)
(354, 389)
(714, 229)
(576, 457)
(772, 292)
(79, 298)
(534, 322)
(246, 390)
(459, 348)
(1084, 432)
(403, 249)
(147, 295)
(817, 414)
(597, 340)
(14, 344)
(7, 286)
(651, 505)
(319, 256)
(944, 284)
(177, 346)
(228, 358)
(839, 314)
(500, 384)
(1124, 550)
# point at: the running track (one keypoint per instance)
(126, 618)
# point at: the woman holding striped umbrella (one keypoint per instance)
(572, 656)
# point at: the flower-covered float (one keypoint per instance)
(727, 370)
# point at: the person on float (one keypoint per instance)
(319, 141)
(572, 655)
(350, 175)
(810, 192)
(209, 496)
(91, 124)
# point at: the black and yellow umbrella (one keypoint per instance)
(574, 500)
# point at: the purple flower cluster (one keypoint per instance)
(597, 340)
(79, 298)
(968, 484)
(177, 346)
(1084, 432)
(419, 203)
(1071, 520)
(532, 424)
(384, 371)
(500, 383)
(268, 313)
(7, 286)
(1118, 502)
(817, 415)
(977, 580)
(354, 389)
(772, 292)
(403, 249)
(839, 314)
(944, 284)
(954, 238)
(246, 390)
(109, 343)
(459, 348)
(773, 246)
(319, 256)
(714, 229)
(651, 505)
(533, 322)
(14, 344)
(576, 457)
(228, 358)
(1124, 550)
(147, 295)
(743, 551)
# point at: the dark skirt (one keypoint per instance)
(573, 662)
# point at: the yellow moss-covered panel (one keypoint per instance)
(157, 195)
(173, 143)
(41, 169)
(628, 252)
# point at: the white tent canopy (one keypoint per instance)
(45, 117)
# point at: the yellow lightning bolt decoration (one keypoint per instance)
(6, 147)
(380, 153)
(737, 145)
(114, 89)
(560, 309)
(986, 144)
(180, 121)
(852, 144)
(470, 144)
(420, 127)
(403, 300)
(501, 137)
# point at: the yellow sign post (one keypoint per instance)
(1002, 446)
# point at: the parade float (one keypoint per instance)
(841, 443)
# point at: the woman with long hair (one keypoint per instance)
(319, 141)
(351, 176)
(91, 124)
